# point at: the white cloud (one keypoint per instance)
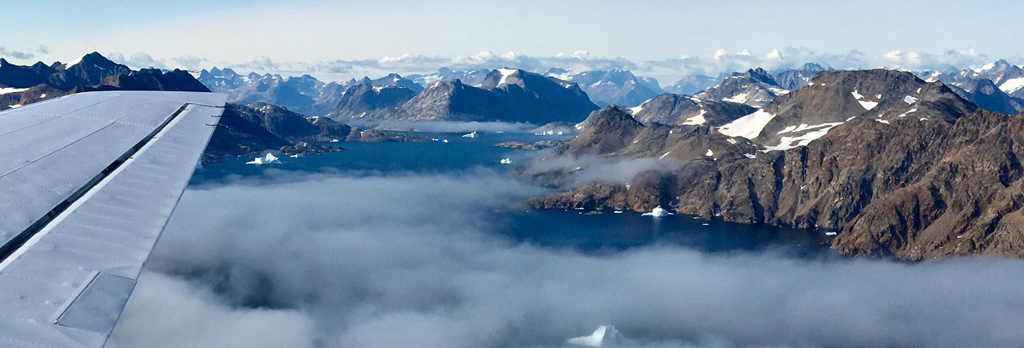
(417, 261)
(666, 70)
(14, 54)
(201, 319)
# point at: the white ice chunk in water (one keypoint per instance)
(658, 212)
(470, 135)
(267, 159)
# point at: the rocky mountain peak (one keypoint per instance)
(503, 77)
(755, 87)
(760, 75)
(795, 78)
(835, 97)
(677, 109)
(812, 67)
(611, 117)
(994, 67)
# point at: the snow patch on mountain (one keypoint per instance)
(7, 90)
(505, 73)
(636, 109)
(697, 120)
(868, 105)
(1012, 85)
(73, 62)
(739, 98)
(748, 126)
(604, 336)
(812, 132)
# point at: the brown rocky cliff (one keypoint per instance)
(910, 189)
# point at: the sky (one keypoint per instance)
(319, 36)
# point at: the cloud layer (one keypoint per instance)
(667, 70)
(411, 261)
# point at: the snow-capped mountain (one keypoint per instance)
(391, 80)
(692, 84)
(222, 80)
(755, 87)
(299, 93)
(305, 94)
(835, 97)
(792, 79)
(471, 77)
(504, 95)
(987, 95)
(997, 86)
(677, 109)
(1008, 77)
(604, 336)
(614, 86)
(364, 99)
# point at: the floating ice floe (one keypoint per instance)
(658, 212)
(435, 139)
(506, 161)
(470, 135)
(604, 336)
(295, 156)
(267, 159)
(334, 140)
(831, 233)
(444, 141)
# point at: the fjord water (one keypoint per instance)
(589, 232)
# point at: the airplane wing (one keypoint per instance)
(87, 184)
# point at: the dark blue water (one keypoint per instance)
(551, 228)
(433, 156)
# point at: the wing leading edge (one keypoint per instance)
(87, 184)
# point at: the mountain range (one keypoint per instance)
(886, 179)
(614, 86)
(893, 163)
(397, 98)
(21, 85)
(510, 95)
(998, 86)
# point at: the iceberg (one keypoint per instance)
(604, 336)
(470, 135)
(658, 212)
(267, 159)
(506, 161)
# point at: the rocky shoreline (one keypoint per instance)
(907, 188)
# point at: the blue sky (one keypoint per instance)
(298, 34)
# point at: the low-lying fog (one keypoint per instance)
(410, 261)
